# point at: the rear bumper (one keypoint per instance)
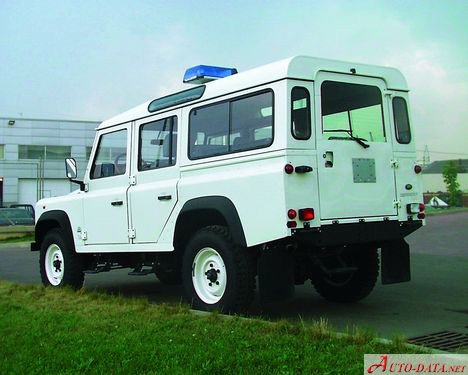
(355, 233)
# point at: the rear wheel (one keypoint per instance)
(59, 264)
(217, 273)
(349, 277)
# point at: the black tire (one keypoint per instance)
(59, 264)
(350, 286)
(217, 273)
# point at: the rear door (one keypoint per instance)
(153, 194)
(356, 175)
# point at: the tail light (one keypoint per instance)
(291, 224)
(306, 214)
(288, 168)
(292, 214)
(416, 209)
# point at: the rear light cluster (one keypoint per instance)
(305, 214)
(416, 209)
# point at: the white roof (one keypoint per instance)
(299, 67)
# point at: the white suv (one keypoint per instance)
(294, 171)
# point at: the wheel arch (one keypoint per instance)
(205, 211)
(50, 220)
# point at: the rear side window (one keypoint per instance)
(231, 126)
(300, 113)
(401, 120)
(158, 144)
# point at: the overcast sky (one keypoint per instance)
(94, 59)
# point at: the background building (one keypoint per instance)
(32, 153)
(433, 179)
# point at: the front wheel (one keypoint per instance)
(59, 264)
(217, 273)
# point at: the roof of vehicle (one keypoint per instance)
(298, 67)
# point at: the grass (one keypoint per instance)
(430, 211)
(16, 238)
(45, 330)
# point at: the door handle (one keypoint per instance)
(164, 197)
(117, 203)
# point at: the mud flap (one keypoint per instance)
(275, 275)
(395, 262)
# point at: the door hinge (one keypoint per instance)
(396, 203)
(133, 180)
(395, 164)
(83, 234)
(389, 93)
(131, 233)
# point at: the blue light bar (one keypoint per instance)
(205, 73)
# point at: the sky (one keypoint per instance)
(90, 60)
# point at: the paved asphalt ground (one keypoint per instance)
(435, 300)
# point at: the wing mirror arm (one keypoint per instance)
(72, 172)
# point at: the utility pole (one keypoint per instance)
(426, 157)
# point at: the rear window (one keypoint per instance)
(350, 109)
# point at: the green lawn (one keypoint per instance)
(49, 331)
(430, 211)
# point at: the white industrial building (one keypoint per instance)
(32, 153)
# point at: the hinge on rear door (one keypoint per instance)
(389, 93)
(132, 180)
(396, 203)
(395, 164)
(131, 233)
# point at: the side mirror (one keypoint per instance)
(71, 169)
(72, 172)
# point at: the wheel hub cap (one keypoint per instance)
(209, 275)
(54, 264)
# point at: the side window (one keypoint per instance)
(111, 155)
(300, 113)
(251, 122)
(158, 144)
(401, 119)
(231, 126)
(209, 129)
(350, 109)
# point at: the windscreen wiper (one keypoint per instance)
(351, 136)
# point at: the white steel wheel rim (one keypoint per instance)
(54, 264)
(209, 275)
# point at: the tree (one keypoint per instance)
(450, 174)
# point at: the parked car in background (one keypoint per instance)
(29, 208)
(15, 216)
